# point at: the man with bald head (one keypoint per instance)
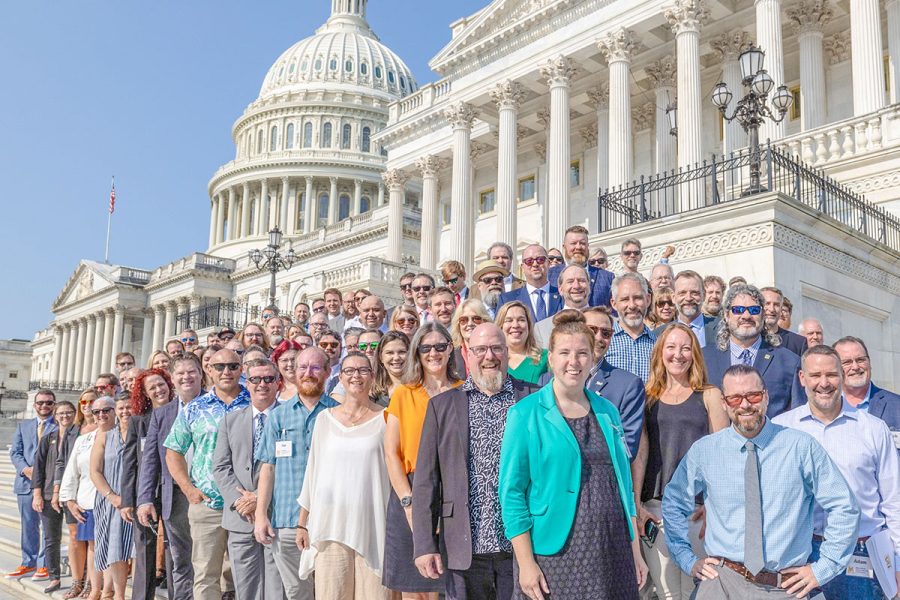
(812, 330)
(372, 313)
(197, 427)
(467, 475)
(282, 454)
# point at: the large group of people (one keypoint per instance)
(548, 429)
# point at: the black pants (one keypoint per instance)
(490, 577)
(51, 522)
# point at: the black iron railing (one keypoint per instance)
(728, 179)
(217, 313)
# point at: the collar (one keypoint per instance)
(531, 289)
(508, 278)
(212, 395)
(847, 410)
(294, 402)
(698, 322)
(865, 401)
(618, 330)
(761, 440)
(266, 412)
(753, 348)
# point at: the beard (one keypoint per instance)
(274, 340)
(489, 383)
(633, 319)
(745, 332)
(713, 310)
(311, 387)
(491, 298)
(690, 310)
(750, 427)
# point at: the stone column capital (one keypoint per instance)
(730, 45)
(333, 180)
(809, 16)
(619, 46)
(589, 135)
(687, 16)
(461, 116)
(599, 96)
(559, 71)
(395, 179)
(508, 94)
(642, 116)
(543, 117)
(309, 179)
(838, 47)
(430, 165)
(663, 72)
(476, 149)
(541, 149)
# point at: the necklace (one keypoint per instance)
(354, 420)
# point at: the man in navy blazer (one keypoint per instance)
(537, 288)
(794, 342)
(859, 390)
(24, 446)
(576, 251)
(742, 338)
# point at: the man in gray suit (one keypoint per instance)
(479, 557)
(236, 474)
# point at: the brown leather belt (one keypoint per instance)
(861, 540)
(761, 578)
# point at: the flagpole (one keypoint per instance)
(109, 219)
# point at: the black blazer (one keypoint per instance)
(794, 342)
(63, 459)
(45, 459)
(441, 481)
(154, 480)
(131, 457)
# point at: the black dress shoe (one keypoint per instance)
(54, 586)
(227, 595)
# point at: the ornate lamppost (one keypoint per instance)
(270, 259)
(752, 109)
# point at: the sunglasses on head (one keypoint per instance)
(222, 366)
(257, 379)
(534, 260)
(440, 347)
(739, 310)
(736, 400)
(101, 411)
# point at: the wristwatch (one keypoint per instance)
(406, 501)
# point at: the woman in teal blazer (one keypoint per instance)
(565, 483)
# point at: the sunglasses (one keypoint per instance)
(451, 281)
(631, 252)
(329, 345)
(318, 309)
(490, 280)
(603, 331)
(44, 403)
(185, 340)
(463, 321)
(257, 379)
(739, 310)
(426, 348)
(222, 366)
(662, 303)
(736, 400)
(351, 371)
(555, 259)
(101, 411)
(534, 260)
(597, 262)
(407, 321)
(422, 288)
(227, 337)
(363, 346)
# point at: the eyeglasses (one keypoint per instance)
(603, 331)
(227, 337)
(318, 309)
(44, 403)
(359, 299)
(597, 262)
(314, 369)
(463, 321)
(186, 340)
(104, 386)
(534, 260)
(257, 379)
(406, 320)
(631, 252)
(422, 288)
(663, 303)
(363, 346)
(490, 280)
(286, 362)
(555, 259)
(451, 281)
(101, 411)
(736, 400)
(860, 360)
(440, 347)
(496, 350)
(352, 371)
(222, 366)
(405, 286)
(65, 413)
(739, 310)
(329, 345)
(253, 335)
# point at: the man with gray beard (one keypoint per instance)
(490, 277)
(632, 341)
(467, 475)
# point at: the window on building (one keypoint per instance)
(344, 207)
(486, 201)
(346, 132)
(575, 173)
(301, 211)
(377, 71)
(391, 77)
(445, 213)
(364, 68)
(412, 199)
(304, 66)
(326, 135)
(273, 139)
(526, 189)
(260, 140)
(323, 209)
(307, 135)
(402, 82)
(318, 64)
(795, 105)
(289, 137)
(13, 375)
(293, 68)
(348, 66)
(332, 64)
(366, 139)
(365, 203)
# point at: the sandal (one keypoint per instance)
(86, 593)
(75, 590)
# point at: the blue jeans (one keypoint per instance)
(845, 586)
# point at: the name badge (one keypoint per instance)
(895, 435)
(284, 449)
(860, 566)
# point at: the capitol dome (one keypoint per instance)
(343, 53)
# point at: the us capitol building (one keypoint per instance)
(545, 113)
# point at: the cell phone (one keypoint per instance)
(651, 530)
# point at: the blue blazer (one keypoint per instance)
(886, 406)
(23, 448)
(554, 301)
(540, 469)
(601, 280)
(626, 392)
(780, 370)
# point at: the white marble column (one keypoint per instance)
(86, 371)
(662, 76)
(357, 197)
(685, 19)
(333, 201)
(158, 328)
(508, 96)
(245, 209)
(730, 45)
(462, 205)
(57, 352)
(220, 219)
(146, 338)
(309, 221)
(559, 73)
(79, 351)
(395, 180)
(893, 35)
(285, 200)
(97, 358)
(262, 221)
(213, 220)
(430, 166)
(169, 327)
(232, 214)
(65, 356)
(108, 316)
(866, 56)
(380, 193)
(618, 48)
(118, 334)
(599, 99)
(769, 38)
(808, 19)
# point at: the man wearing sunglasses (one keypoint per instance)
(124, 361)
(330, 343)
(422, 286)
(197, 428)
(236, 473)
(453, 274)
(189, 339)
(489, 278)
(107, 384)
(24, 446)
(761, 484)
(741, 338)
(537, 294)
(282, 455)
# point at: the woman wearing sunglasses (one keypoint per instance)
(527, 361)
(78, 493)
(662, 311)
(430, 369)
(468, 315)
(113, 545)
(285, 358)
(405, 319)
(390, 360)
(681, 408)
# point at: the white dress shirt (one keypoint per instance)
(507, 283)
(533, 297)
(698, 326)
(76, 482)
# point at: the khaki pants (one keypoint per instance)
(287, 559)
(342, 574)
(210, 543)
(666, 576)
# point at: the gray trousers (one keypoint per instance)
(180, 570)
(253, 567)
(731, 586)
(287, 559)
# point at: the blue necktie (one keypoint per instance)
(541, 312)
(258, 429)
(746, 358)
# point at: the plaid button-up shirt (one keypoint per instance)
(631, 354)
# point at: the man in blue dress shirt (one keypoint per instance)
(760, 483)
(861, 446)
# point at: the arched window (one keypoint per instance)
(367, 139)
(364, 68)
(344, 207)
(364, 204)
(390, 77)
(346, 132)
(260, 140)
(402, 82)
(322, 217)
(293, 67)
(307, 135)
(332, 64)
(377, 71)
(273, 139)
(289, 137)
(326, 135)
(348, 66)
(318, 64)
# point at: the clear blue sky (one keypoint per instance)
(145, 91)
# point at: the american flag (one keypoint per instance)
(112, 198)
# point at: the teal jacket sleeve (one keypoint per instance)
(515, 477)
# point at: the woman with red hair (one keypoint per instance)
(285, 356)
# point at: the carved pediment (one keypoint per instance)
(87, 279)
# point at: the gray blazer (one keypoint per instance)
(233, 466)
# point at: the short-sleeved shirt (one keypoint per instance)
(290, 421)
(197, 426)
(408, 404)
